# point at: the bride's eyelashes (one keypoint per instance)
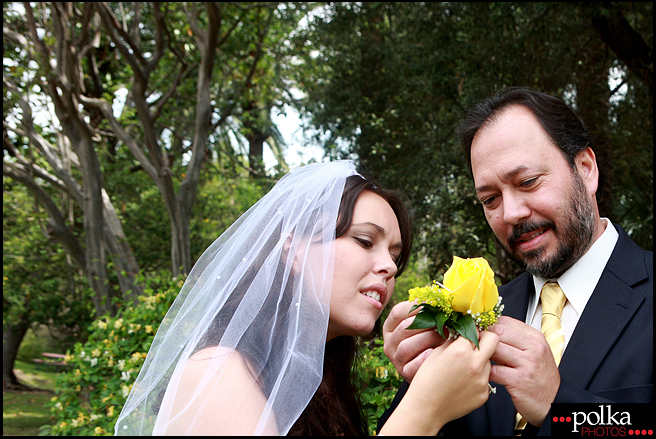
(369, 244)
(364, 242)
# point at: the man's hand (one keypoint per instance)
(407, 349)
(526, 367)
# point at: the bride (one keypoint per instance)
(261, 339)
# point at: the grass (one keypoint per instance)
(24, 412)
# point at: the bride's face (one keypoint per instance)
(363, 279)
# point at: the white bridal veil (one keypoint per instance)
(261, 290)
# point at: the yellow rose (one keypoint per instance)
(472, 283)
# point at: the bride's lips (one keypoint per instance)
(379, 288)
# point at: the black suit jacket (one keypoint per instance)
(609, 357)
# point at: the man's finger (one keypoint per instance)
(506, 355)
(515, 333)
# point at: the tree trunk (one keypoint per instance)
(126, 264)
(93, 229)
(208, 42)
(256, 139)
(12, 337)
(592, 92)
(629, 46)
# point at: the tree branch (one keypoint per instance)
(48, 151)
(123, 135)
(629, 46)
(57, 225)
(112, 26)
(29, 168)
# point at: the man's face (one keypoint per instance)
(539, 209)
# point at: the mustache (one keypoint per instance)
(528, 227)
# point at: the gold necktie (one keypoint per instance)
(553, 301)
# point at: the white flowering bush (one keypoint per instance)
(89, 398)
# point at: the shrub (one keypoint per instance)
(89, 398)
(379, 382)
(31, 347)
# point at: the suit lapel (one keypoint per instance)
(610, 308)
(515, 297)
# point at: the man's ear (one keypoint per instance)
(586, 165)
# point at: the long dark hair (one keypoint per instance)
(336, 408)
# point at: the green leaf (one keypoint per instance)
(465, 326)
(440, 320)
(423, 320)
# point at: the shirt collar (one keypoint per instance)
(580, 280)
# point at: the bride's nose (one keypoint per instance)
(385, 265)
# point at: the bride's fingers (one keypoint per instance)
(398, 314)
(413, 366)
(410, 369)
(488, 342)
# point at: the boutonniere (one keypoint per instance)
(466, 303)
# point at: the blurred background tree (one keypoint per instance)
(110, 107)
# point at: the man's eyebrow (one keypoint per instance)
(507, 176)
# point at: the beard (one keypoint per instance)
(575, 236)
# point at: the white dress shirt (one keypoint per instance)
(577, 283)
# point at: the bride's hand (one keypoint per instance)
(407, 348)
(452, 381)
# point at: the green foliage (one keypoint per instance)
(221, 200)
(378, 380)
(40, 339)
(39, 285)
(89, 399)
(31, 347)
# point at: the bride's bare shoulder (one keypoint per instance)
(218, 393)
(222, 359)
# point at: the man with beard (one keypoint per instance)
(536, 176)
